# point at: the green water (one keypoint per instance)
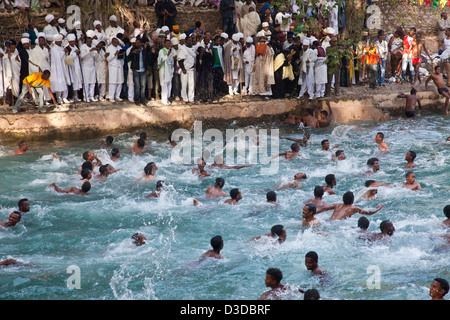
(93, 232)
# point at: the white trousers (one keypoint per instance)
(166, 90)
(248, 83)
(101, 90)
(320, 89)
(187, 86)
(308, 84)
(114, 91)
(89, 90)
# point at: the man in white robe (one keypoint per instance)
(186, 60)
(166, 69)
(59, 79)
(39, 59)
(11, 69)
(98, 31)
(130, 80)
(100, 70)
(115, 58)
(320, 70)
(113, 30)
(249, 24)
(306, 79)
(88, 53)
(248, 58)
(75, 72)
(50, 28)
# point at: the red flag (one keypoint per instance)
(427, 2)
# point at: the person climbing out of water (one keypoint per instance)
(411, 100)
(217, 246)
(347, 209)
(79, 191)
(235, 195)
(438, 80)
(216, 191)
(330, 180)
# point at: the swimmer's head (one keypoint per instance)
(24, 205)
(323, 114)
(295, 147)
(325, 144)
(141, 143)
(143, 135)
(22, 145)
(447, 211)
(150, 168)
(86, 155)
(279, 231)
(87, 165)
(387, 227)
(160, 184)
(14, 218)
(309, 210)
(374, 163)
(235, 194)
(86, 173)
(318, 192)
(340, 155)
(410, 177)
(273, 277)
(368, 183)
(300, 176)
(109, 139)
(220, 182)
(410, 155)
(217, 243)
(441, 285)
(311, 260)
(103, 169)
(348, 198)
(138, 239)
(448, 139)
(379, 137)
(271, 196)
(330, 179)
(311, 294)
(413, 91)
(115, 152)
(363, 223)
(86, 187)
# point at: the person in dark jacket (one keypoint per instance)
(227, 9)
(138, 57)
(166, 12)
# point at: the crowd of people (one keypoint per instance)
(262, 52)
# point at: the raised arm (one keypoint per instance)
(370, 212)
(326, 208)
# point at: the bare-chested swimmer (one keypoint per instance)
(273, 281)
(411, 183)
(438, 80)
(217, 246)
(317, 201)
(308, 215)
(219, 164)
(200, 170)
(79, 191)
(293, 184)
(160, 184)
(409, 158)
(330, 180)
(13, 219)
(411, 100)
(216, 191)
(288, 155)
(235, 195)
(277, 232)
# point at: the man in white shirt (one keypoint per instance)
(112, 31)
(306, 79)
(50, 28)
(87, 56)
(115, 58)
(248, 59)
(382, 49)
(186, 61)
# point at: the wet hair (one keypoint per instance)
(135, 238)
(86, 155)
(220, 182)
(87, 165)
(216, 242)
(412, 154)
(329, 179)
(371, 161)
(413, 91)
(312, 255)
(368, 183)
(141, 143)
(160, 183)
(143, 135)
(86, 187)
(318, 192)
(103, 168)
(276, 274)
(338, 153)
(294, 146)
(444, 285)
(109, 139)
(381, 135)
(18, 213)
(363, 223)
(115, 152)
(149, 168)
(447, 211)
(277, 230)
(21, 143)
(85, 173)
(311, 207)
(234, 193)
(271, 196)
(384, 224)
(348, 198)
(311, 294)
(409, 173)
(21, 202)
(323, 142)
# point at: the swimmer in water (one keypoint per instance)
(374, 165)
(79, 191)
(22, 147)
(24, 206)
(90, 157)
(330, 180)
(143, 136)
(438, 289)
(312, 264)
(440, 84)
(303, 142)
(311, 294)
(379, 138)
(138, 239)
(411, 183)
(446, 222)
(325, 117)
(139, 146)
(277, 232)
(115, 154)
(411, 100)
(288, 155)
(308, 219)
(409, 158)
(326, 145)
(105, 170)
(363, 226)
(293, 184)
(387, 230)
(200, 170)
(149, 171)
(8, 262)
(108, 142)
(347, 209)
(445, 142)
(339, 155)
(273, 281)
(86, 174)
(217, 246)
(370, 194)
(160, 184)
(317, 201)
(271, 198)
(309, 120)
(216, 191)
(219, 164)
(13, 219)
(235, 195)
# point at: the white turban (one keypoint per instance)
(90, 34)
(49, 18)
(249, 40)
(224, 35)
(61, 21)
(113, 18)
(71, 37)
(133, 40)
(25, 35)
(174, 41)
(96, 23)
(25, 40)
(57, 37)
(235, 37)
(305, 42)
(41, 35)
(165, 28)
(241, 35)
(50, 37)
(261, 34)
(63, 32)
(265, 24)
(330, 31)
(76, 23)
(182, 36)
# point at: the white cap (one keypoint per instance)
(41, 35)
(25, 40)
(235, 37)
(96, 23)
(165, 28)
(61, 20)
(57, 37)
(133, 40)
(261, 34)
(90, 34)
(265, 24)
(71, 37)
(77, 23)
(249, 40)
(50, 37)
(174, 41)
(25, 35)
(224, 35)
(182, 36)
(305, 42)
(49, 18)
(113, 18)
(241, 35)
(63, 32)
(330, 31)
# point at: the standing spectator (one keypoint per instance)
(165, 69)
(138, 58)
(407, 55)
(442, 25)
(227, 9)
(371, 58)
(115, 57)
(382, 49)
(395, 47)
(186, 61)
(166, 12)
